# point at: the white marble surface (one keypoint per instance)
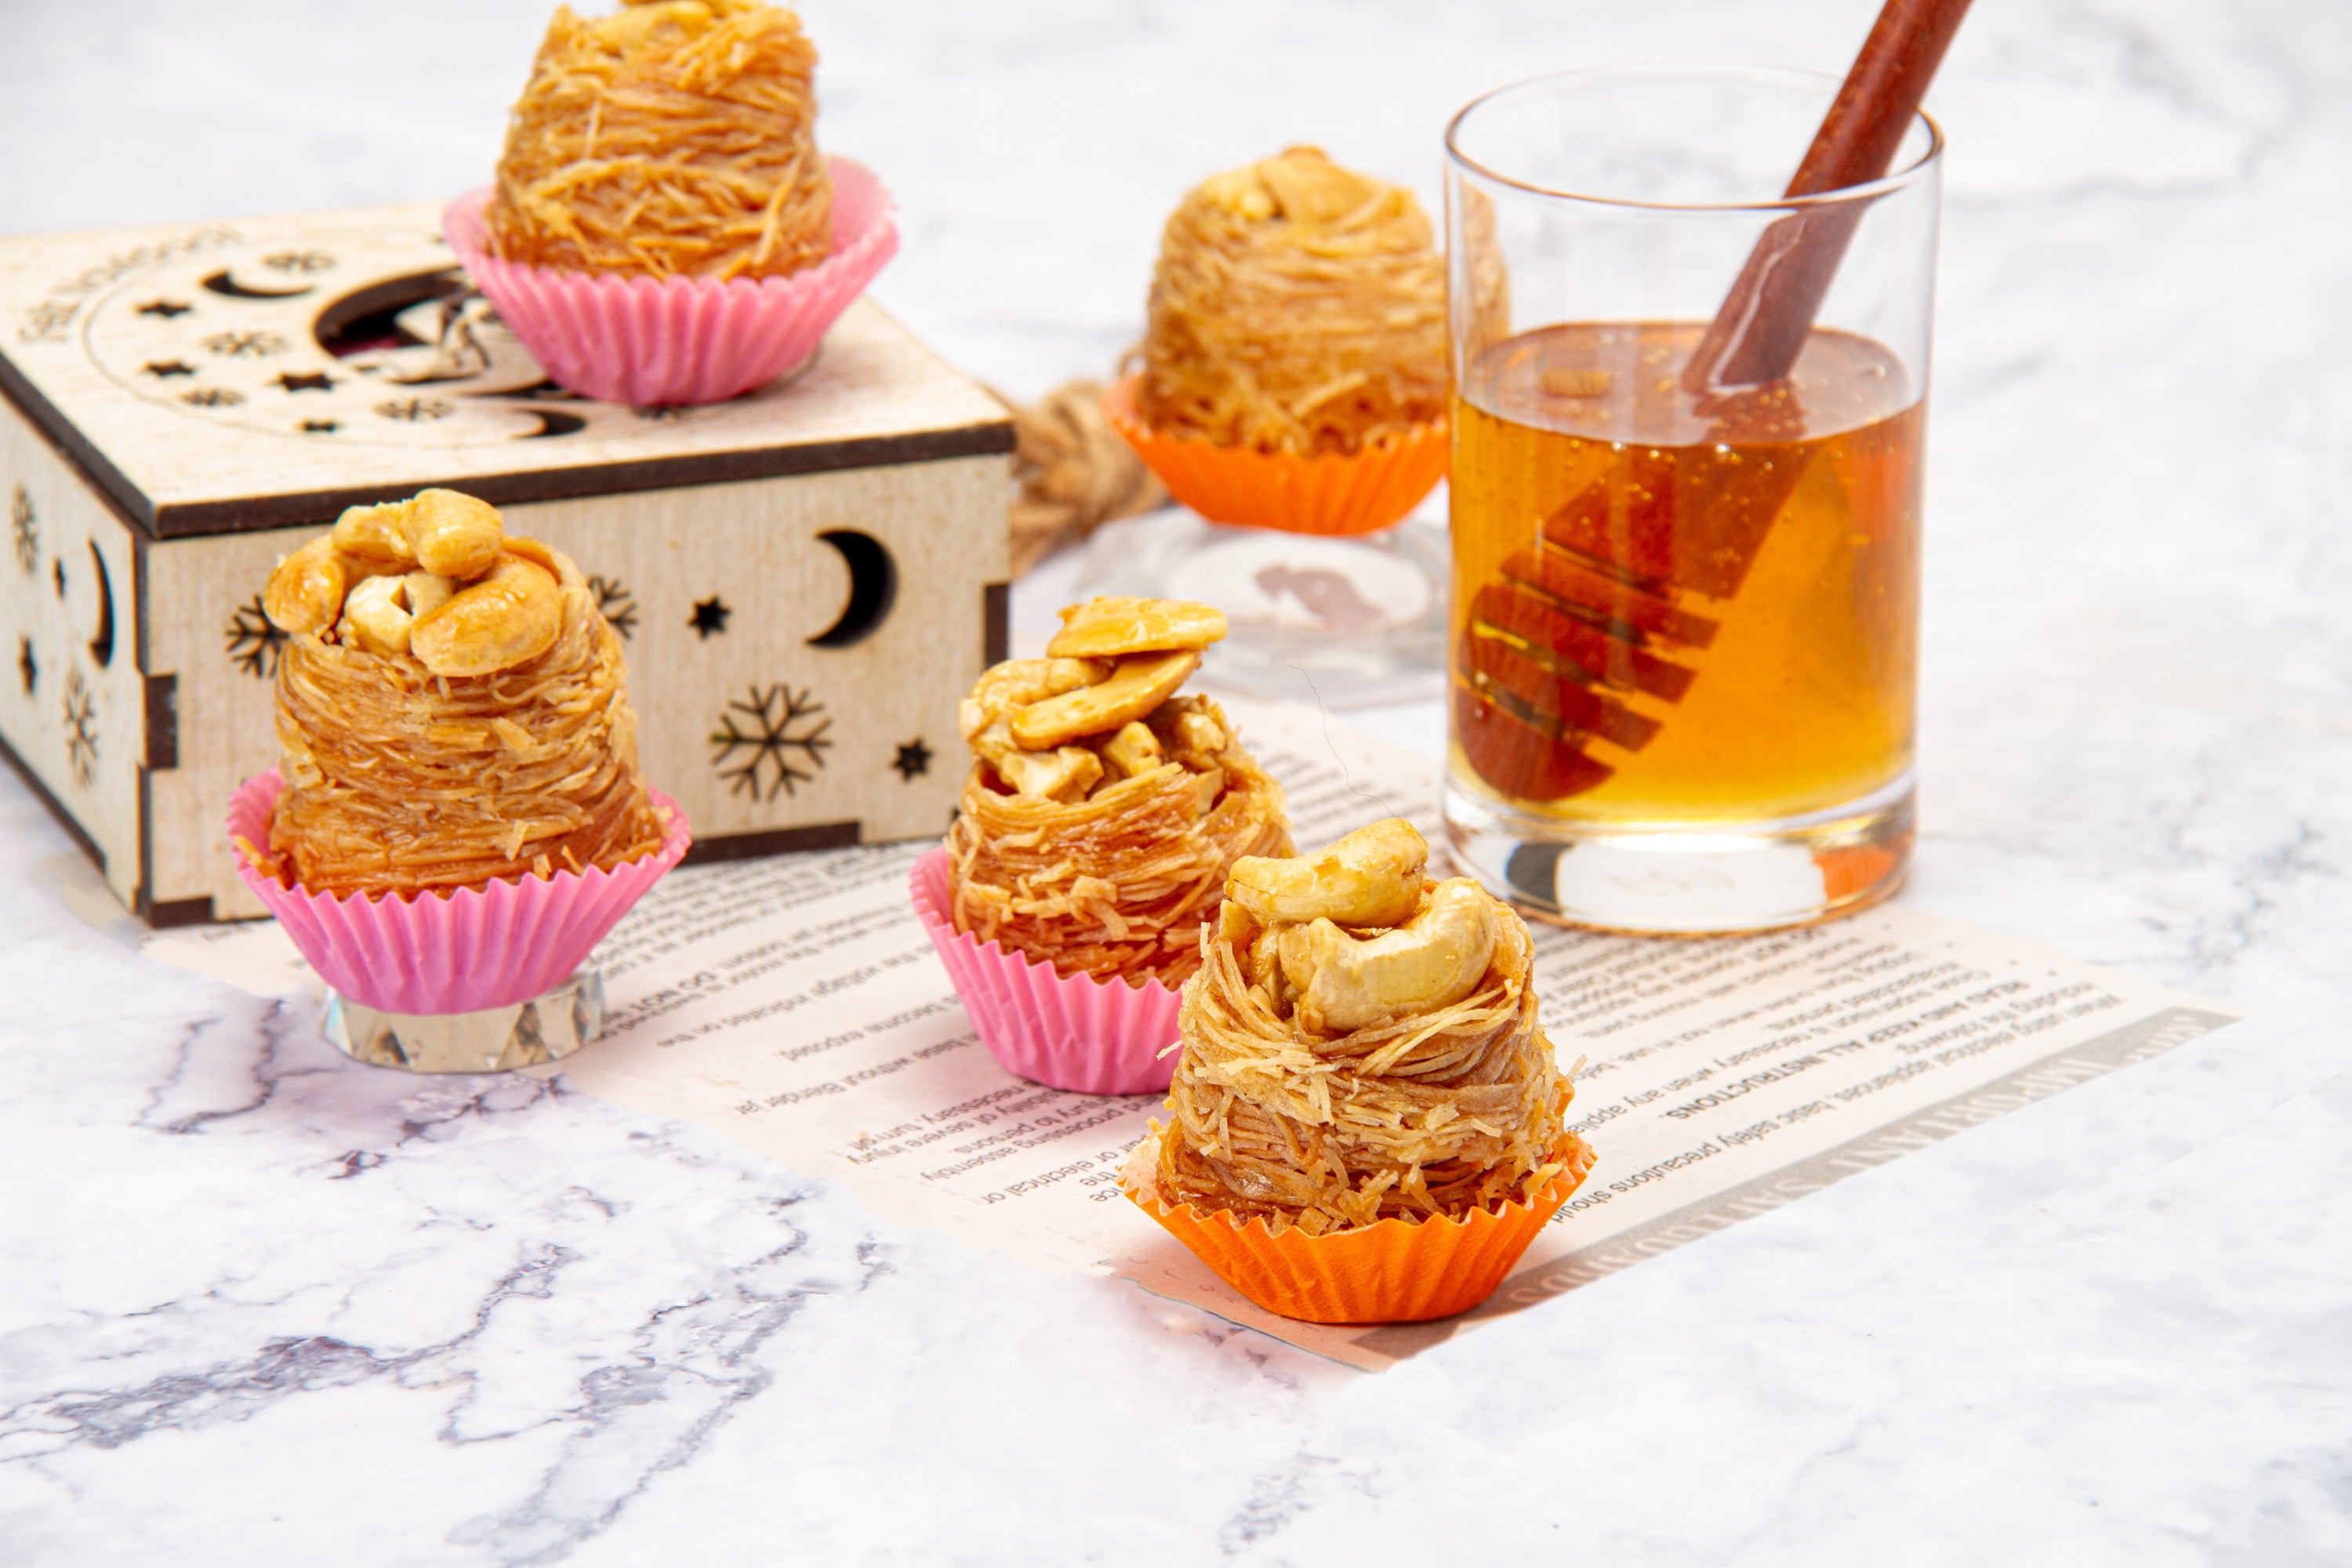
(257, 1304)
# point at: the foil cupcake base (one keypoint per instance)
(495, 1039)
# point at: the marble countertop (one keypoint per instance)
(261, 1304)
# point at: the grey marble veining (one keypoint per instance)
(261, 1304)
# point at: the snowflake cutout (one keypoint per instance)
(298, 261)
(23, 529)
(237, 345)
(778, 730)
(254, 641)
(616, 604)
(416, 409)
(212, 397)
(81, 728)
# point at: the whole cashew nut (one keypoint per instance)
(1370, 878)
(1135, 688)
(1432, 961)
(446, 533)
(509, 617)
(1109, 627)
(306, 591)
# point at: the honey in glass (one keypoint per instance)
(1679, 608)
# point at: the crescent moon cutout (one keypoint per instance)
(552, 423)
(222, 283)
(873, 588)
(101, 647)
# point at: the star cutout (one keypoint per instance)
(914, 758)
(709, 615)
(167, 308)
(163, 369)
(306, 381)
(32, 672)
(321, 427)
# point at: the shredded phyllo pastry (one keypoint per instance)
(1361, 1044)
(451, 706)
(675, 138)
(1297, 308)
(1104, 811)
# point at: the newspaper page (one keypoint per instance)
(796, 1004)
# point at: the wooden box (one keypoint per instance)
(808, 577)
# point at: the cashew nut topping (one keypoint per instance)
(1136, 686)
(1432, 961)
(453, 534)
(509, 618)
(426, 591)
(1370, 878)
(306, 591)
(1198, 735)
(1110, 627)
(1134, 750)
(1008, 687)
(448, 534)
(376, 533)
(377, 616)
(1293, 952)
(1064, 774)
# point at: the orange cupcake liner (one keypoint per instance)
(1330, 493)
(1846, 872)
(1390, 1272)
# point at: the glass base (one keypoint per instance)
(1344, 621)
(497, 1039)
(1687, 881)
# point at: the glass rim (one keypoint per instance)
(1868, 190)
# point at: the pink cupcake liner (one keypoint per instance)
(1073, 1032)
(490, 946)
(648, 341)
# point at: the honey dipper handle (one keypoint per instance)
(1764, 319)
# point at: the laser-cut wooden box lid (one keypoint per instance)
(216, 378)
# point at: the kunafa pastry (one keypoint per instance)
(674, 138)
(664, 229)
(1293, 375)
(1367, 1119)
(459, 814)
(451, 707)
(1104, 807)
(1103, 811)
(1298, 307)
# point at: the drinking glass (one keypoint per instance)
(1684, 639)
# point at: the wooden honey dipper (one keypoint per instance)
(1765, 318)
(1597, 595)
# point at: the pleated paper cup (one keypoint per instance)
(1330, 493)
(491, 946)
(1390, 1272)
(1073, 1031)
(653, 341)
